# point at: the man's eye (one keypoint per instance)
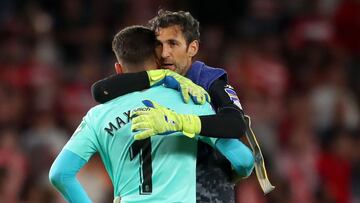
(173, 43)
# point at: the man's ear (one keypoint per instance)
(118, 68)
(193, 48)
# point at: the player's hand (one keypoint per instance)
(184, 85)
(158, 120)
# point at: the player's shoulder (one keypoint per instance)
(206, 67)
(162, 93)
(105, 107)
(131, 99)
(209, 73)
(93, 112)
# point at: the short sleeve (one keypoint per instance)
(83, 141)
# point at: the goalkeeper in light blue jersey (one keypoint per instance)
(156, 169)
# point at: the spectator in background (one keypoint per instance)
(44, 140)
(333, 103)
(334, 167)
(298, 154)
(12, 166)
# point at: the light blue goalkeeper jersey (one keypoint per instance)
(157, 169)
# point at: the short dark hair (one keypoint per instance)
(134, 44)
(188, 24)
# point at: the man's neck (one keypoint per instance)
(140, 67)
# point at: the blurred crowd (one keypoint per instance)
(295, 65)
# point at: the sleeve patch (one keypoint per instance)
(233, 96)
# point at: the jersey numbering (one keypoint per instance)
(143, 149)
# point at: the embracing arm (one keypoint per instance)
(227, 123)
(236, 152)
(120, 84)
(229, 120)
(239, 155)
(62, 176)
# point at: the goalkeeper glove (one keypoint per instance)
(156, 119)
(180, 83)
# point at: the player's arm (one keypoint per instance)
(62, 176)
(238, 154)
(229, 121)
(230, 106)
(117, 85)
(75, 154)
(156, 119)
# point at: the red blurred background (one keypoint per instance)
(295, 65)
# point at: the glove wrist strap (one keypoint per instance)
(191, 125)
(156, 77)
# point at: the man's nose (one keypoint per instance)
(165, 52)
